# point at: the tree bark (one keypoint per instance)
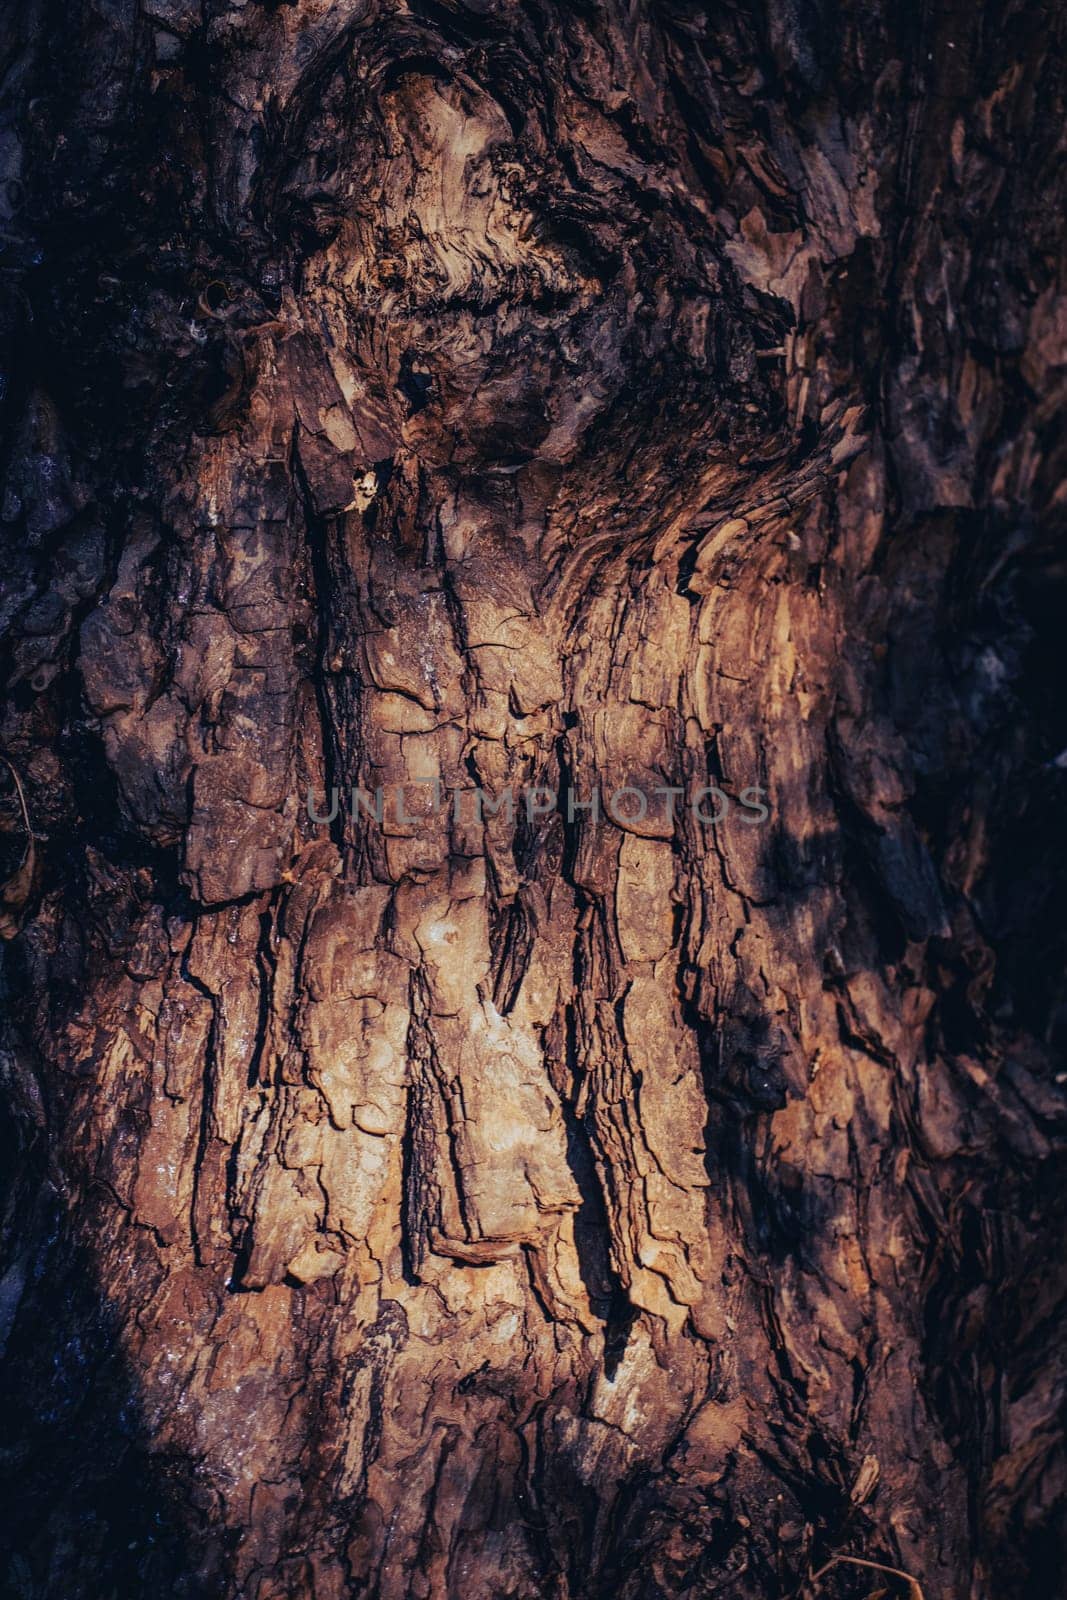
(462, 400)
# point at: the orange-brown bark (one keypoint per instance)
(484, 1200)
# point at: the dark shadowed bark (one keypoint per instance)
(525, 396)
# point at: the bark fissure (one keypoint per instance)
(439, 402)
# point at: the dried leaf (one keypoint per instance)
(866, 1480)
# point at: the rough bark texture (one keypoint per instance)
(516, 393)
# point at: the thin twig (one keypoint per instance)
(874, 1566)
(10, 765)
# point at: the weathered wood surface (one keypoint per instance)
(511, 394)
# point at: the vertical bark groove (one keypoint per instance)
(452, 401)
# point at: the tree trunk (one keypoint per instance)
(461, 410)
